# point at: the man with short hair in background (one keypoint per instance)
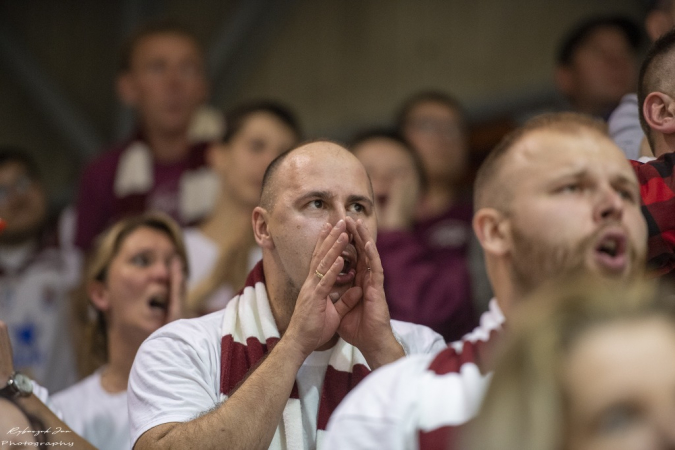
(161, 76)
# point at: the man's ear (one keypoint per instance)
(659, 111)
(126, 89)
(260, 228)
(97, 292)
(493, 231)
(564, 79)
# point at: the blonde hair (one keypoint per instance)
(92, 327)
(525, 406)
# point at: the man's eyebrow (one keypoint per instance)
(359, 198)
(324, 195)
(625, 179)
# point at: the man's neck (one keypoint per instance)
(504, 288)
(663, 144)
(167, 147)
(280, 293)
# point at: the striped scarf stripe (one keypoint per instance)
(249, 332)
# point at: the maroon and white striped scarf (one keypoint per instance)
(249, 331)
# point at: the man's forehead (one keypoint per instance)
(159, 44)
(555, 146)
(322, 164)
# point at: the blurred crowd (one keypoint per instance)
(533, 284)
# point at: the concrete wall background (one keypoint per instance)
(340, 64)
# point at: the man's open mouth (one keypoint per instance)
(348, 271)
(610, 251)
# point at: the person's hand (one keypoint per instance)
(6, 363)
(367, 325)
(176, 306)
(316, 317)
(399, 210)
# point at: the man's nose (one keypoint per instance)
(341, 214)
(610, 205)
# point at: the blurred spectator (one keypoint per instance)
(133, 284)
(596, 64)
(36, 275)
(624, 123)
(161, 76)
(423, 285)
(587, 367)
(221, 250)
(435, 125)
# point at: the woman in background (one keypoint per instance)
(221, 250)
(134, 281)
(587, 367)
(423, 285)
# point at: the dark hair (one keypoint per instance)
(10, 154)
(653, 75)
(428, 96)
(580, 33)
(392, 135)
(235, 118)
(164, 26)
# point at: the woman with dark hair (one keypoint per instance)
(132, 285)
(221, 249)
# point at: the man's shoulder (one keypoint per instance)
(388, 391)
(194, 331)
(417, 338)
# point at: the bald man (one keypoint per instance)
(312, 321)
(555, 197)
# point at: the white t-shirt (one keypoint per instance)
(392, 406)
(96, 415)
(35, 287)
(203, 255)
(176, 373)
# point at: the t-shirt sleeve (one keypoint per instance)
(417, 339)
(380, 411)
(175, 377)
